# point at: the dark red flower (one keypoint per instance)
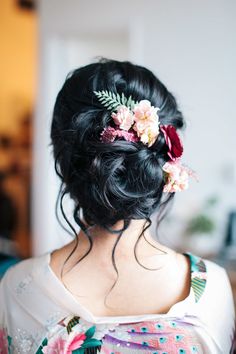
(172, 141)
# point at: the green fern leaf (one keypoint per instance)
(108, 99)
(112, 101)
(112, 107)
(123, 99)
(118, 98)
(130, 103)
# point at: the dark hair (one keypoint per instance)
(114, 181)
(109, 181)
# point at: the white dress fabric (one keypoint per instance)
(39, 315)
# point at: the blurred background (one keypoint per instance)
(190, 46)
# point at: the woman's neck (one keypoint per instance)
(104, 241)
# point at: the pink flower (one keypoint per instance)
(56, 346)
(173, 141)
(124, 118)
(108, 135)
(3, 341)
(128, 136)
(74, 342)
(177, 176)
(144, 111)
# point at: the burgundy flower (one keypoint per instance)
(172, 141)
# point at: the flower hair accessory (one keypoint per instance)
(175, 146)
(176, 176)
(139, 121)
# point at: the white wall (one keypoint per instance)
(190, 45)
(195, 50)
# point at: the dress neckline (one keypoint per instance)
(63, 295)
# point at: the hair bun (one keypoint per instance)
(117, 181)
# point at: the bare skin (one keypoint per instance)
(138, 290)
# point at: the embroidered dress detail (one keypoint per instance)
(49, 320)
(73, 335)
(162, 336)
(169, 335)
(198, 276)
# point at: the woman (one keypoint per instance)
(114, 289)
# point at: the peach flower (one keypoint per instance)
(149, 134)
(177, 176)
(146, 122)
(144, 111)
(124, 118)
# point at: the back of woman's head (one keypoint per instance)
(118, 180)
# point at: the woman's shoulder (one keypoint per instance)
(22, 271)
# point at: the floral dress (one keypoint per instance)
(39, 315)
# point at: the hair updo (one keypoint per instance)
(114, 181)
